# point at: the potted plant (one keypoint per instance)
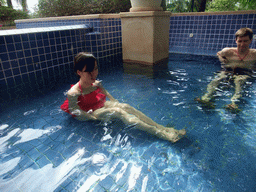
(146, 5)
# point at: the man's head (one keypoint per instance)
(243, 39)
(243, 32)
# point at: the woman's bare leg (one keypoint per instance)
(131, 110)
(169, 134)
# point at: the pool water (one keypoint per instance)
(44, 149)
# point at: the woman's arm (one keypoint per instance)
(76, 110)
(111, 98)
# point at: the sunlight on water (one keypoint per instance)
(29, 112)
(2, 127)
(104, 171)
(50, 177)
(9, 165)
(30, 134)
(135, 172)
(3, 140)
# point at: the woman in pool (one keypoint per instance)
(86, 100)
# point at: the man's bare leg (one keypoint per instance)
(213, 85)
(239, 81)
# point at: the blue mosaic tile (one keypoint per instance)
(10, 47)
(30, 68)
(1, 74)
(32, 37)
(35, 59)
(3, 84)
(18, 79)
(214, 23)
(9, 39)
(14, 64)
(6, 65)
(23, 70)
(10, 81)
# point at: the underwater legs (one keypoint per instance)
(153, 128)
(213, 85)
(239, 81)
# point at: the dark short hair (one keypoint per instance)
(244, 32)
(83, 59)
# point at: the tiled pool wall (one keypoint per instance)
(105, 39)
(42, 50)
(207, 33)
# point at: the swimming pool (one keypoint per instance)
(44, 149)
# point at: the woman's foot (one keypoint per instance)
(172, 134)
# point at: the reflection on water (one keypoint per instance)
(47, 178)
(120, 166)
(44, 149)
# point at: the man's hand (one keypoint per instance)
(223, 59)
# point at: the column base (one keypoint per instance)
(146, 62)
(141, 68)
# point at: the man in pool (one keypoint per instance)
(238, 63)
(87, 101)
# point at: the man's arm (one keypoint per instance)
(223, 54)
(254, 58)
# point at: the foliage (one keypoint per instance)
(248, 4)
(177, 6)
(163, 5)
(9, 3)
(23, 4)
(223, 5)
(8, 15)
(200, 5)
(231, 5)
(2, 2)
(52, 8)
(112, 6)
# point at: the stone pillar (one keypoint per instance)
(145, 36)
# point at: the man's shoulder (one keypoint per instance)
(253, 54)
(228, 49)
(253, 51)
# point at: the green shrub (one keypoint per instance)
(54, 8)
(8, 15)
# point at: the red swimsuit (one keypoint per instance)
(91, 101)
